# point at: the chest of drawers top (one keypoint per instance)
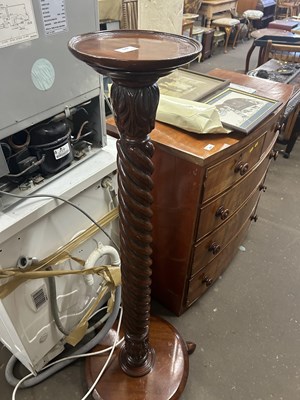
(206, 149)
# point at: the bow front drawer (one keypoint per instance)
(224, 174)
(219, 210)
(208, 248)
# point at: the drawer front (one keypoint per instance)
(212, 245)
(270, 138)
(202, 281)
(219, 210)
(223, 175)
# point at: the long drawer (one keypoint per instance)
(212, 245)
(226, 173)
(218, 211)
(204, 279)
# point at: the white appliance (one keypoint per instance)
(36, 228)
(45, 83)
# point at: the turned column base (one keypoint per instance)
(165, 381)
(131, 370)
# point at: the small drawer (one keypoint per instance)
(218, 211)
(223, 175)
(212, 245)
(205, 278)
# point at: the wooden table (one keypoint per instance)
(209, 8)
(261, 36)
(290, 128)
(286, 24)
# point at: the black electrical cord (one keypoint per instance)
(35, 196)
(7, 147)
(35, 164)
(83, 109)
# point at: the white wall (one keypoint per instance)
(110, 9)
(158, 15)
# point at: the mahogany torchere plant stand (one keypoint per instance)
(152, 364)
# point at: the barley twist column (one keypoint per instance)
(135, 110)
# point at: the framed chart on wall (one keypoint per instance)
(242, 111)
(190, 85)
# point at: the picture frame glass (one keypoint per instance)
(190, 85)
(240, 110)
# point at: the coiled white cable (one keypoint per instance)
(111, 349)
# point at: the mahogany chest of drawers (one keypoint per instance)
(206, 190)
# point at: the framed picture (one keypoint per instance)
(190, 85)
(242, 111)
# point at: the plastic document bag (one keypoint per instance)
(189, 115)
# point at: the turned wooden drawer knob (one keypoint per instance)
(208, 281)
(222, 212)
(214, 248)
(278, 126)
(241, 167)
(263, 188)
(274, 154)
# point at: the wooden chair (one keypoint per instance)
(129, 14)
(228, 24)
(187, 28)
(286, 9)
(252, 17)
(191, 6)
(190, 14)
(291, 119)
(282, 52)
(291, 123)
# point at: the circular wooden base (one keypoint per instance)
(165, 381)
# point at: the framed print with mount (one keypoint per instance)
(190, 85)
(242, 111)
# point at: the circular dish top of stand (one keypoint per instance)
(136, 51)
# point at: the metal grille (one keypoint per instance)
(39, 298)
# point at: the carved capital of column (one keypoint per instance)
(134, 109)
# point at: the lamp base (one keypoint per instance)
(165, 381)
